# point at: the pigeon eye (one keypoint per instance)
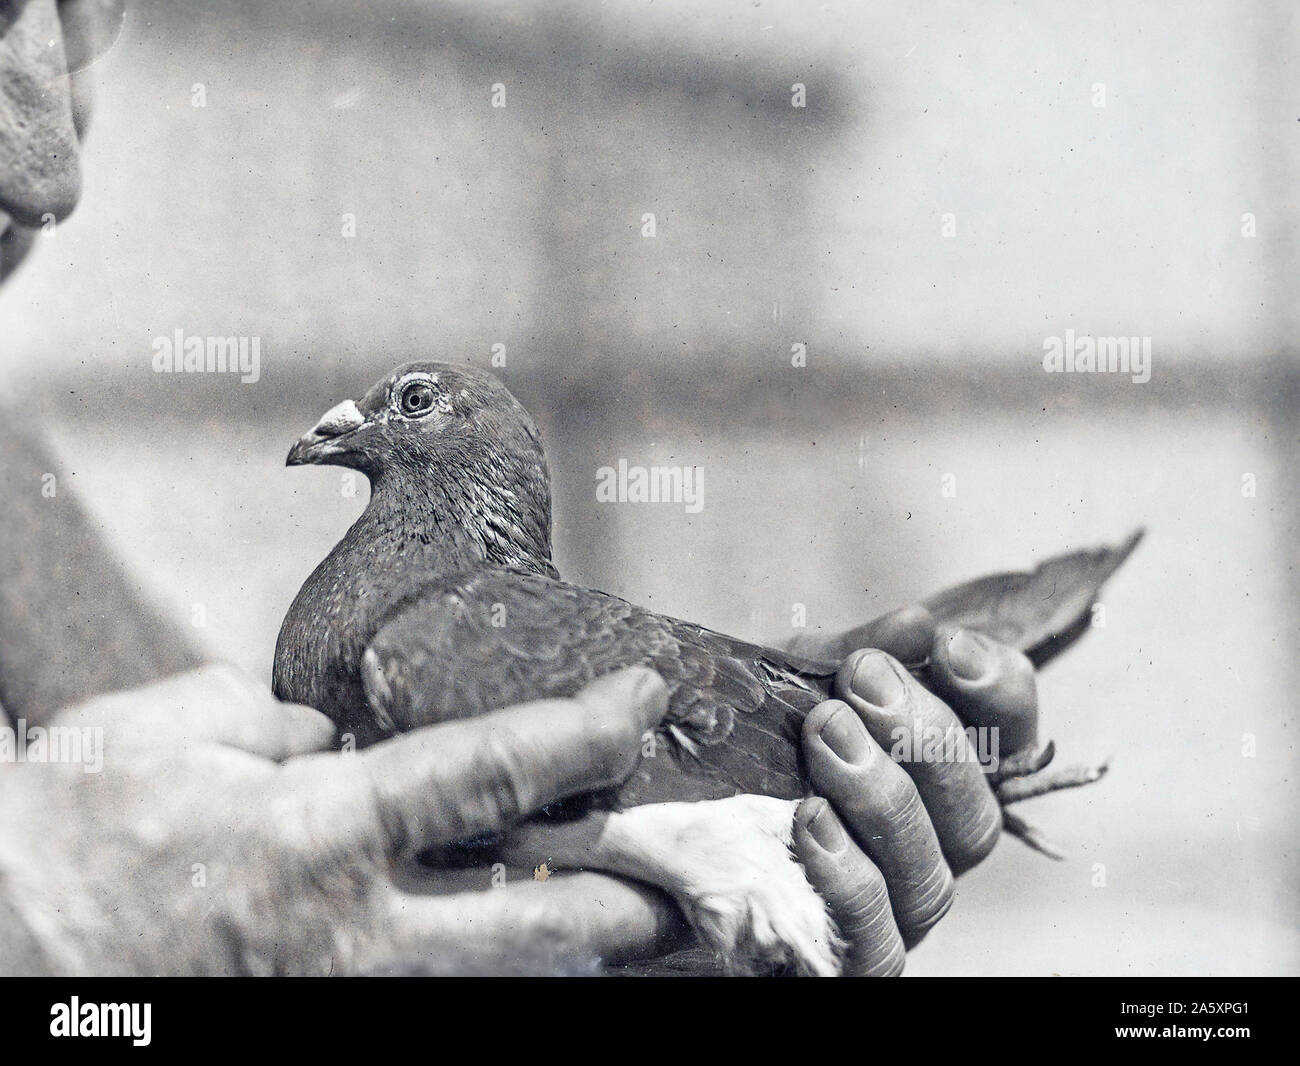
(417, 399)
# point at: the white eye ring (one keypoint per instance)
(438, 400)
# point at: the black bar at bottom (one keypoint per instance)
(1016, 1016)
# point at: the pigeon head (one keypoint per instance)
(446, 447)
(421, 414)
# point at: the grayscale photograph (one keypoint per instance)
(648, 488)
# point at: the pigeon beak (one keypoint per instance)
(319, 445)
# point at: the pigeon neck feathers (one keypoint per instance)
(457, 516)
(461, 492)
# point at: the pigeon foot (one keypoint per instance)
(728, 863)
(1025, 775)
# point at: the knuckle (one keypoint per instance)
(932, 900)
(864, 909)
(888, 794)
(501, 777)
(897, 791)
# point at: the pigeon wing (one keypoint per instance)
(463, 646)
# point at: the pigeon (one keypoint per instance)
(442, 601)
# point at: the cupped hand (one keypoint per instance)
(903, 803)
(216, 836)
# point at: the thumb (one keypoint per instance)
(907, 634)
(459, 780)
(217, 703)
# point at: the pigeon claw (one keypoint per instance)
(1027, 774)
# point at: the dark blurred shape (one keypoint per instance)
(72, 621)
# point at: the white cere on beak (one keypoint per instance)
(340, 419)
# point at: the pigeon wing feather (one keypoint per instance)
(462, 646)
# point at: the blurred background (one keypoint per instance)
(961, 183)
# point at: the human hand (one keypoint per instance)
(219, 838)
(884, 850)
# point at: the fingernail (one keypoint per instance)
(876, 680)
(827, 831)
(845, 735)
(969, 658)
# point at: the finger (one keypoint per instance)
(452, 782)
(217, 703)
(879, 803)
(853, 888)
(563, 924)
(925, 737)
(987, 684)
(907, 634)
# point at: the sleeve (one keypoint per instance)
(73, 624)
